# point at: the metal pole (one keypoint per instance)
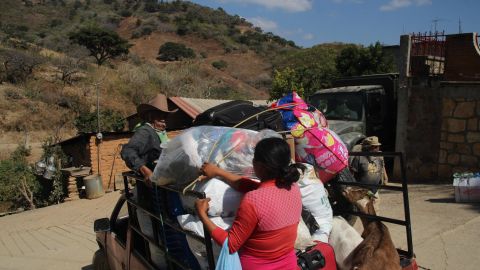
(98, 108)
(406, 207)
(98, 129)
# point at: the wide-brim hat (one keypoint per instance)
(158, 103)
(371, 141)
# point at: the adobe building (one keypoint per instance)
(103, 156)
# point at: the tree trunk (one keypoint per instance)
(26, 192)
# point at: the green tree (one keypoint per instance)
(171, 51)
(103, 44)
(17, 181)
(306, 70)
(57, 192)
(284, 82)
(357, 60)
(109, 121)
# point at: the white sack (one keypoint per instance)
(193, 224)
(304, 239)
(224, 200)
(315, 200)
(344, 239)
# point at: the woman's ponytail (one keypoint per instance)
(290, 175)
(274, 154)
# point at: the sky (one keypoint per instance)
(312, 22)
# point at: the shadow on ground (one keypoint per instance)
(441, 200)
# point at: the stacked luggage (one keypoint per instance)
(214, 140)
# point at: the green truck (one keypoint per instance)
(361, 106)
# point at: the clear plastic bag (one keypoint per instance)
(230, 148)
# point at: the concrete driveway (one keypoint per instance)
(54, 237)
(445, 234)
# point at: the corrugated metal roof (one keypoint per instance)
(348, 89)
(195, 106)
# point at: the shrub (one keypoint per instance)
(171, 51)
(163, 18)
(57, 191)
(12, 94)
(151, 6)
(110, 120)
(125, 13)
(224, 92)
(143, 31)
(18, 65)
(13, 30)
(182, 30)
(17, 181)
(77, 4)
(220, 64)
(55, 23)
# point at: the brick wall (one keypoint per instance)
(111, 164)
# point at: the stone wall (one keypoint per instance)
(443, 131)
(423, 132)
(460, 132)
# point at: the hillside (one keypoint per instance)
(42, 104)
(56, 81)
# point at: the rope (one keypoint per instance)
(283, 106)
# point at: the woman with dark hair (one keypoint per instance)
(265, 228)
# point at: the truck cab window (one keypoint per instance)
(343, 106)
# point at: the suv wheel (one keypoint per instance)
(99, 261)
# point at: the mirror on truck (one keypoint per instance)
(101, 225)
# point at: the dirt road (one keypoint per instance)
(445, 234)
(54, 237)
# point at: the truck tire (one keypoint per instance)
(100, 261)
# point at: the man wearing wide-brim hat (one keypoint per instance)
(140, 155)
(143, 149)
(369, 169)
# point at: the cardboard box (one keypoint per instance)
(467, 189)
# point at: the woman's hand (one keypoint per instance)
(209, 171)
(202, 206)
